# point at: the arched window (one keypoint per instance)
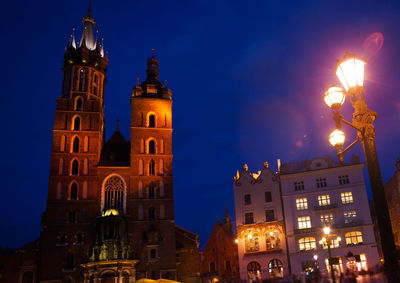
(254, 271)
(86, 144)
(75, 145)
(152, 168)
(152, 146)
(114, 193)
(272, 240)
(152, 121)
(62, 143)
(275, 268)
(73, 193)
(81, 79)
(77, 123)
(75, 168)
(78, 104)
(152, 213)
(251, 242)
(70, 261)
(307, 243)
(151, 193)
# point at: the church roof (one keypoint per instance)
(116, 151)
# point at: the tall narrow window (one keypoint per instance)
(77, 124)
(152, 213)
(152, 147)
(151, 193)
(248, 218)
(78, 104)
(84, 190)
(81, 78)
(152, 121)
(86, 144)
(59, 190)
(73, 194)
(75, 168)
(268, 196)
(75, 145)
(152, 168)
(114, 193)
(95, 85)
(141, 167)
(61, 166)
(85, 166)
(62, 144)
(247, 199)
(70, 261)
(165, 120)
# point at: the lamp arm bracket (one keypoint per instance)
(351, 125)
(350, 146)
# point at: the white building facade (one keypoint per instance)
(259, 224)
(318, 193)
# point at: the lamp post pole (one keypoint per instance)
(328, 243)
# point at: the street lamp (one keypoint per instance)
(350, 71)
(327, 240)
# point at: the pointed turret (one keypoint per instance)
(87, 39)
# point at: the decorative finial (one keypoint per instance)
(265, 164)
(137, 80)
(118, 120)
(245, 168)
(152, 50)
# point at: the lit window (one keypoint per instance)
(114, 193)
(306, 244)
(324, 200)
(301, 204)
(334, 243)
(251, 242)
(299, 186)
(268, 196)
(354, 238)
(272, 240)
(269, 215)
(344, 179)
(304, 222)
(349, 216)
(346, 197)
(247, 199)
(248, 218)
(326, 219)
(321, 183)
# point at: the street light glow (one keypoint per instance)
(334, 96)
(350, 71)
(327, 230)
(336, 138)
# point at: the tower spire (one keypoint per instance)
(89, 12)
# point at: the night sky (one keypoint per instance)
(247, 80)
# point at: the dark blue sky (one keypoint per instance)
(247, 78)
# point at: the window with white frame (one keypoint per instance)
(349, 216)
(344, 179)
(326, 219)
(304, 222)
(354, 238)
(347, 197)
(299, 186)
(301, 204)
(321, 183)
(324, 200)
(307, 244)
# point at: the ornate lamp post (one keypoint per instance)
(350, 71)
(327, 240)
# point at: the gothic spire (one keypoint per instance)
(87, 39)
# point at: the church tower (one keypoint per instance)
(77, 141)
(152, 200)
